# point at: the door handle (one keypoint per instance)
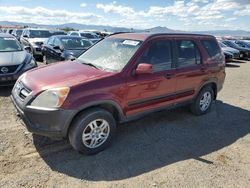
(203, 69)
(169, 76)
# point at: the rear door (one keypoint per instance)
(151, 91)
(191, 70)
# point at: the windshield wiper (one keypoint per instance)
(90, 64)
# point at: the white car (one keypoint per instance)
(35, 38)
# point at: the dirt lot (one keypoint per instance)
(166, 149)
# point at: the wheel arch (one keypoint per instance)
(108, 105)
(213, 85)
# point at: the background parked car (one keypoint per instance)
(61, 47)
(58, 32)
(34, 38)
(100, 34)
(243, 43)
(89, 35)
(228, 52)
(17, 33)
(244, 52)
(14, 60)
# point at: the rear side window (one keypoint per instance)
(158, 55)
(188, 53)
(212, 48)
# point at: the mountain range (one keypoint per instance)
(124, 29)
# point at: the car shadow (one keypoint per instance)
(5, 91)
(229, 65)
(153, 142)
(239, 61)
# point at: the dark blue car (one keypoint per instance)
(62, 47)
(243, 43)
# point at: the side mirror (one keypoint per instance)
(58, 48)
(27, 48)
(25, 36)
(144, 68)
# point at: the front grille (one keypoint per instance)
(8, 69)
(39, 43)
(21, 90)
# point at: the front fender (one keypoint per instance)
(95, 103)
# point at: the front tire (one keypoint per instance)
(203, 101)
(92, 131)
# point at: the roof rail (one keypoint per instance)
(116, 33)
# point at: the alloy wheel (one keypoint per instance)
(205, 101)
(95, 133)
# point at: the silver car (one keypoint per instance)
(14, 60)
(35, 38)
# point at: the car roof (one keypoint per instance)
(38, 29)
(144, 36)
(66, 36)
(57, 31)
(2, 35)
(245, 41)
(83, 31)
(231, 41)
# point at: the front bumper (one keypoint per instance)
(244, 55)
(8, 80)
(236, 55)
(50, 123)
(228, 57)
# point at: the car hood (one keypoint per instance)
(229, 49)
(75, 53)
(37, 39)
(242, 49)
(227, 52)
(12, 58)
(62, 74)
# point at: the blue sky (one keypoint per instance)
(176, 14)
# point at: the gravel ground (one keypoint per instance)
(166, 149)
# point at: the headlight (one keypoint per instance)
(51, 98)
(30, 65)
(33, 44)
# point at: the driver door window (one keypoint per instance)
(158, 55)
(57, 42)
(51, 41)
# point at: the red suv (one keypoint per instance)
(122, 77)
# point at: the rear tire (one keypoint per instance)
(92, 131)
(203, 101)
